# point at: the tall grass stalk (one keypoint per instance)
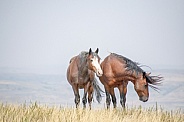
(44, 113)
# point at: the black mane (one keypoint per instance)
(135, 67)
(130, 65)
(153, 81)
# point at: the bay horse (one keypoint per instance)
(117, 71)
(81, 75)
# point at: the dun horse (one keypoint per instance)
(117, 71)
(81, 75)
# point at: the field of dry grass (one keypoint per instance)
(44, 113)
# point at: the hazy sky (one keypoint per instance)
(41, 33)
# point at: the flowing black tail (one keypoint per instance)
(98, 91)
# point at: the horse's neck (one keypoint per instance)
(83, 69)
(133, 77)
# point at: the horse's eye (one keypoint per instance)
(91, 60)
(146, 85)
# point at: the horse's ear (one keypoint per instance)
(144, 74)
(97, 51)
(90, 51)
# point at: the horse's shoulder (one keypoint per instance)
(110, 58)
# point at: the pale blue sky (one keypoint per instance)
(41, 34)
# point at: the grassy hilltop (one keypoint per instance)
(44, 113)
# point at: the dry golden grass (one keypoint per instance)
(43, 113)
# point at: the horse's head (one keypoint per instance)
(93, 62)
(141, 87)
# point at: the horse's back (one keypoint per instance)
(72, 70)
(72, 59)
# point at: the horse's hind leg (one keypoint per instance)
(77, 96)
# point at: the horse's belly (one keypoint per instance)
(81, 86)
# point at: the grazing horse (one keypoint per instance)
(81, 75)
(117, 71)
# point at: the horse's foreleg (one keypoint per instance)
(77, 96)
(108, 99)
(113, 97)
(122, 96)
(123, 90)
(90, 95)
(84, 100)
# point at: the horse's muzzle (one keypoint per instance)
(99, 73)
(143, 99)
